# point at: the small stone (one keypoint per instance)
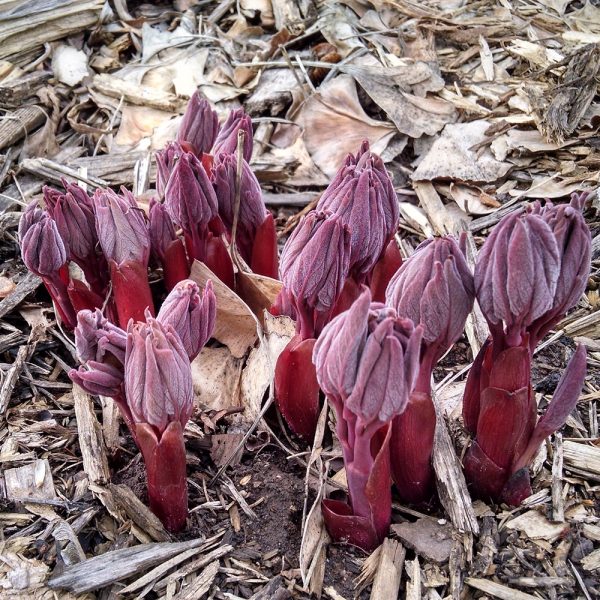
(429, 538)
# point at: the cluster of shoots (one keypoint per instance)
(93, 253)
(346, 242)
(370, 328)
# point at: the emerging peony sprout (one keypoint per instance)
(191, 315)
(363, 197)
(191, 202)
(147, 371)
(199, 127)
(73, 213)
(256, 237)
(160, 397)
(167, 247)
(226, 142)
(125, 240)
(367, 362)
(573, 239)
(44, 253)
(531, 270)
(433, 288)
(314, 267)
(166, 159)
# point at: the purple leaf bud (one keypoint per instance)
(192, 316)
(162, 230)
(574, 242)
(252, 208)
(96, 336)
(122, 228)
(158, 382)
(189, 195)
(516, 273)
(165, 161)
(99, 379)
(314, 267)
(363, 196)
(367, 358)
(73, 213)
(226, 141)
(200, 125)
(42, 249)
(434, 288)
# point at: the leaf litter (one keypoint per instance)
(481, 107)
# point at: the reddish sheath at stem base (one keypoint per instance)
(411, 447)
(296, 387)
(165, 473)
(131, 291)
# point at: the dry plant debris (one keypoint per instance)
(475, 107)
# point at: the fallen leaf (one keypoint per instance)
(451, 156)
(412, 115)
(138, 123)
(258, 373)
(335, 108)
(7, 285)
(427, 537)
(236, 325)
(216, 377)
(69, 65)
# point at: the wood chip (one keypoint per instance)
(138, 512)
(116, 565)
(200, 585)
(498, 590)
(91, 442)
(389, 571)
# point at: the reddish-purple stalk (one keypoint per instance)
(531, 270)
(366, 361)
(346, 242)
(125, 241)
(147, 371)
(433, 288)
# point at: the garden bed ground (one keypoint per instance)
(476, 108)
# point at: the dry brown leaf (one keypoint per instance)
(552, 187)
(236, 325)
(522, 139)
(473, 201)
(139, 123)
(451, 156)
(7, 285)
(216, 377)
(260, 366)
(258, 291)
(336, 108)
(412, 115)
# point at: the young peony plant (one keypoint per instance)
(367, 361)
(531, 270)
(147, 370)
(362, 196)
(256, 237)
(433, 288)
(346, 242)
(314, 267)
(125, 241)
